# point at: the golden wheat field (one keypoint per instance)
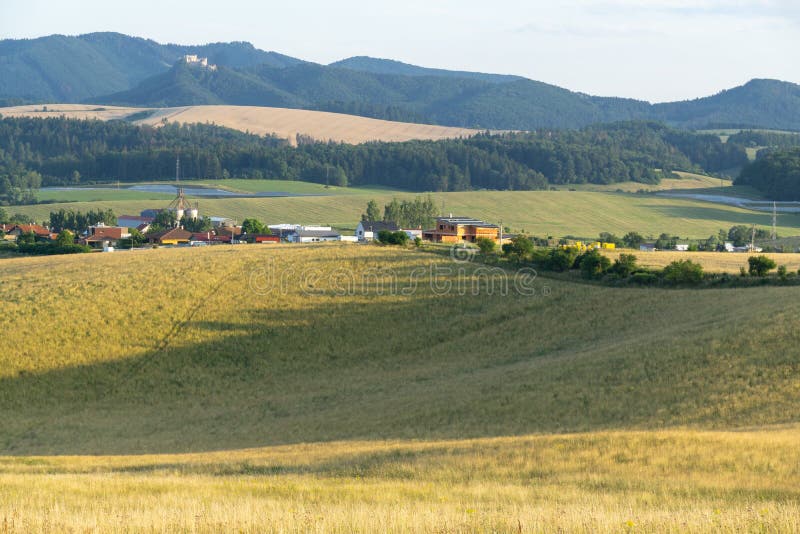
(349, 388)
(713, 262)
(683, 481)
(284, 123)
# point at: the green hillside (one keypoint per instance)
(240, 347)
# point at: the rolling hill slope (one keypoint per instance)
(241, 347)
(325, 388)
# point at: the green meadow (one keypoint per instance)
(556, 213)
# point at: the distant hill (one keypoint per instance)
(111, 68)
(390, 66)
(187, 85)
(59, 68)
(461, 102)
(758, 103)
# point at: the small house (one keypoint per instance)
(174, 236)
(461, 230)
(368, 230)
(682, 247)
(413, 233)
(18, 229)
(133, 221)
(647, 247)
(313, 236)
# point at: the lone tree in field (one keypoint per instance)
(760, 265)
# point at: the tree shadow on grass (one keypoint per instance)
(362, 368)
(275, 377)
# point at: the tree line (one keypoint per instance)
(776, 174)
(60, 151)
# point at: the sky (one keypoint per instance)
(655, 50)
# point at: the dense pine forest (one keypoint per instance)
(775, 173)
(58, 151)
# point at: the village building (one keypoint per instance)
(368, 230)
(193, 59)
(133, 221)
(313, 236)
(174, 236)
(265, 238)
(16, 230)
(461, 230)
(413, 233)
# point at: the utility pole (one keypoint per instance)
(774, 220)
(753, 239)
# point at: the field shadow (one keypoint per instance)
(715, 214)
(349, 370)
(371, 367)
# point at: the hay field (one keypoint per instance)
(285, 123)
(683, 481)
(713, 262)
(541, 213)
(195, 389)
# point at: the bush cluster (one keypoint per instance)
(393, 238)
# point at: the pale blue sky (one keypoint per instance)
(655, 50)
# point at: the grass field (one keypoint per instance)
(301, 388)
(285, 123)
(713, 262)
(542, 213)
(100, 195)
(687, 180)
(121, 193)
(605, 481)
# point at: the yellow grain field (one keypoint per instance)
(285, 123)
(675, 481)
(713, 262)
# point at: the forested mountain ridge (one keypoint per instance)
(60, 68)
(391, 66)
(116, 69)
(472, 102)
